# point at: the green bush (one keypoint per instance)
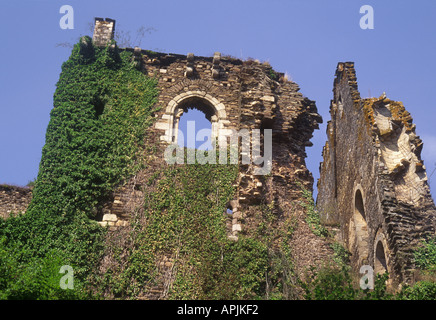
(422, 290)
(37, 278)
(425, 255)
(425, 260)
(330, 283)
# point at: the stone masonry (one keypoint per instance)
(14, 200)
(104, 30)
(373, 186)
(235, 95)
(372, 192)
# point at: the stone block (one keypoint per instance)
(237, 215)
(233, 238)
(110, 217)
(236, 227)
(162, 125)
(234, 204)
(268, 98)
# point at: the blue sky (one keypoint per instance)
(304, 38)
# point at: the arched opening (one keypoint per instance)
(361, 227)
(359, 210)
(213, 110)
(380, 265)
(194, 119)
(196, 130)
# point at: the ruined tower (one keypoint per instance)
(236, 95)
(373, 185)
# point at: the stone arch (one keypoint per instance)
(214, 110)
(381, 253)
(359, 235)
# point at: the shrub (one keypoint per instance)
(425, 255)
(422, 290)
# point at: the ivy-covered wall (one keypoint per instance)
(96, 140)
(102, 108)
(177, 243)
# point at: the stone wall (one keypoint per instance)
(236, 95)
(373, 187)
(104, 30)
(14, 199)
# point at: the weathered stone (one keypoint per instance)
(234, 204)
(120, 223)
(110, 217)
(103, 31)
(237, 215)
(14, 199)
(229, 91)
(236, 227)
(369, 184)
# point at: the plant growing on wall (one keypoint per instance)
(102, 107)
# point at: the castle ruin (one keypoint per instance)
(372, 192)
(234, 95)
(373, 185)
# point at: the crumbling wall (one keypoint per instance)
(238, 95)
(104, 30)
(14, 200)
(373, 186)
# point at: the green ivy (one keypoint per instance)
(425, 255)
(422, 290)
(312, 215)
(102, 108)
(184, 219)
(184, 211)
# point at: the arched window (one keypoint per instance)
(361, 227)
(359, 210)
(196, 120)
(196, 130)
(380, 265)
(213, 110)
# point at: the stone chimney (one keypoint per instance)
(103, 31)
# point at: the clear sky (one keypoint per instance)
(304, 38)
